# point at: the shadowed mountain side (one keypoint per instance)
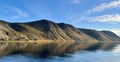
(74, 33)
(48, 30)
(101, 35)
(111, 35)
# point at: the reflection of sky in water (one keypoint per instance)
(83, 56)
(117, 49)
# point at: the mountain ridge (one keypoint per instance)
(48, 30)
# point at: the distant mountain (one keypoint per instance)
(48, 30)
(117, 32)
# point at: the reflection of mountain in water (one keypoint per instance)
(51, 48)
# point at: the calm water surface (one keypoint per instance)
(112, 55)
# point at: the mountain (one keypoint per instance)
(48, 30)
(101, 35)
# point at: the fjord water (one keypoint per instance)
(96, 53)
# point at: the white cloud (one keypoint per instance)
(104, 18)
(104, 6)
(75, 1)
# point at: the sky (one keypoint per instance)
(92, 14)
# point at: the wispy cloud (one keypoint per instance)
(19, 13)
(75, 1)
(104, 18)
(15, 12)
(104, 6)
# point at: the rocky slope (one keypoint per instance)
(48, 30)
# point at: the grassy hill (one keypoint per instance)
(48, 30)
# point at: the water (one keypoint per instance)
(112, 55)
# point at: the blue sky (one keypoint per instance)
(94, 14)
